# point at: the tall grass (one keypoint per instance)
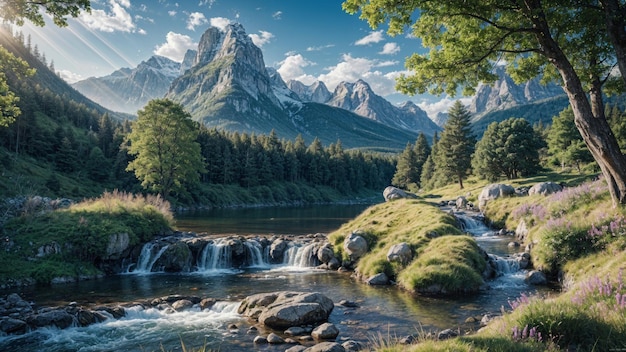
(117, 202)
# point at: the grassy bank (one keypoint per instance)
(42, 245)
(578, 237)
(445, 261)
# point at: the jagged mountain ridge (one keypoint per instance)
(128, 90)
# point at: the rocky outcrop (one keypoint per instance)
(400, 253)
(281, 310)
(494, 191)
(391, 193)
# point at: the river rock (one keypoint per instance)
(461, 203)
(277, 250)
(207, 303)
(260, 340)
(176, 258)
(494, 191)
(521, 231)
(182, 304)
(535, 277)
(325, 254)
(378, 280)
(298, 348)
(391, 193)
(447, 334)
(353, 346)
(275, 339)
(285, 309)
(118, 244)
(355, 246)
(13, 326)
(326, 331)
(59, 318)
(545, 188)
(326, 347)
(296, 331)
(400, 253)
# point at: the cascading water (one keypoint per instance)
(301, 256)
(255, 256)
(149, 255)
(216, 255)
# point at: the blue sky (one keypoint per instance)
(304, 40)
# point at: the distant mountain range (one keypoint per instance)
(225, 84)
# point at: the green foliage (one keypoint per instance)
(410, 164)
(16, 11)
(81, 234)
(509, 148)
(565, 143)
(8, 100)
(163, 140)
(453, 156)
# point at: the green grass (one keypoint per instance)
(443, 258)
(80, 233)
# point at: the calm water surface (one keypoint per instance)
(382, 311)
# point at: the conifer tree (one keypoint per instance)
(406, 170)
(453, 160)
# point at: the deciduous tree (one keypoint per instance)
(577, 43)
(163, 141)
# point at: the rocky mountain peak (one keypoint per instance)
(316, 92)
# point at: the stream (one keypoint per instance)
(382, 311)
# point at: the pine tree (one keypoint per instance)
(406, 170)
(453, 160)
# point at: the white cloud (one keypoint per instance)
(117, 20)
(142, 31)
(219, 22)
(443, 105)
(292, 68)
(172, 13)
(196, 19)
(261, 39)
(390, 49)
(373, 37)
(320, 48)
(176, 46)
(277, 15)
(351, 69)
(70, 77)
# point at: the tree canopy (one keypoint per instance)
(163, 141)
(575, 43)
(509, 148)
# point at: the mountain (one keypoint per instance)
(229, 87)
(316, 92)
(504, 94)
(359, 98)
(128, 90)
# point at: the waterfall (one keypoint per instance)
(216, 255)
(301, 256)
(148, 257)
(504, 265)
(474, 226)
(254, 255)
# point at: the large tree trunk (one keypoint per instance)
(595, 130)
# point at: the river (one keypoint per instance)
(381, 311)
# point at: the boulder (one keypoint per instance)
(545, 188)
(59, 318)
(182, 305)
(400, 253)
(378, 279)
(494, 191)
(355, 246)
(391, 193)
(326, 347)
(325, 254)
(277, 250)
(535, 277)
(326, 331)
(522, 231)
(298, 348)
(176, 258)
(461, 203)
(275, 339)
(447, 334)
(13, 326)
(285, 309)
(118, 244)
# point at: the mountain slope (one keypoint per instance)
(128, 90)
